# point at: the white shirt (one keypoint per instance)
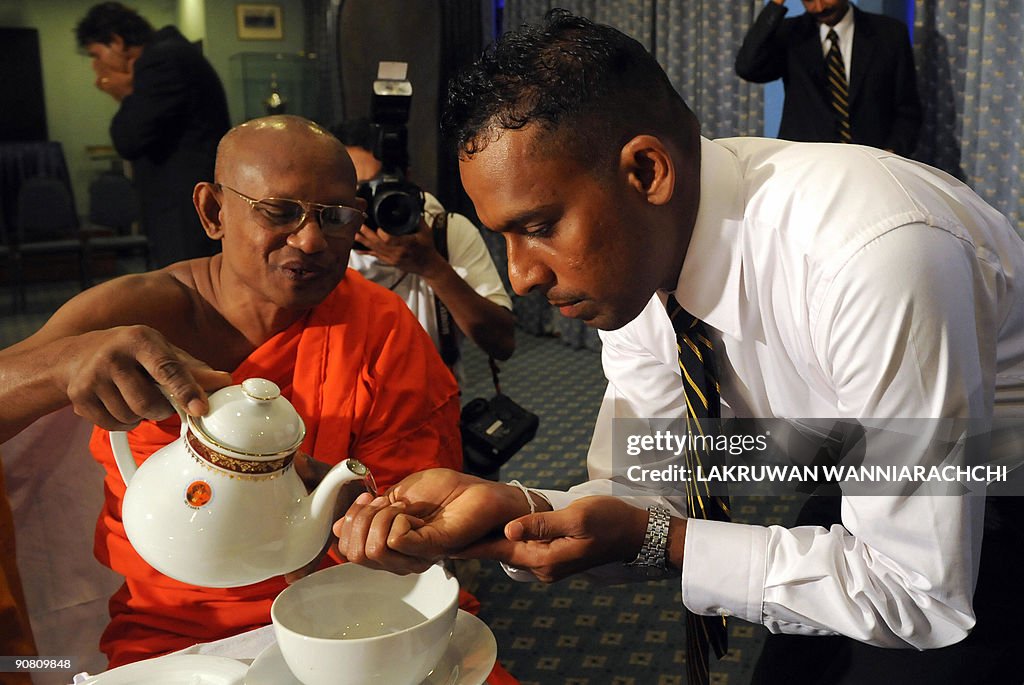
(838, 281)
(468, 256)
(844, 30)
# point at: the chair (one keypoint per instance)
(114, 207)
(11, 264)
(47, 224)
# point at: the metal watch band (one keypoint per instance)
(655, 548)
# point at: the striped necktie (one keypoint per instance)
(703, 409)
(838, 91)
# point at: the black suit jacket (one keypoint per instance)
(885, 108)
(169, 128)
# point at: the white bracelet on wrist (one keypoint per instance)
(526, 493)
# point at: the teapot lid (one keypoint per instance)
(251, 419)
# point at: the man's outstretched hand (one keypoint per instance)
(592, 531)
(441, 513)
(428, 516)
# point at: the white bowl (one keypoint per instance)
(350, 625)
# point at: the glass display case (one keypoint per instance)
(276, 83)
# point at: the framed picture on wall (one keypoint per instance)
(259, 22)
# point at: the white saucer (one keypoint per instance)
(467, 661)
(176, 669)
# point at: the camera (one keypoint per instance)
(392, 202)
(493, 431)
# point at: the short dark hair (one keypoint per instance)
(589, 83)
(356, 133)
(106, 19)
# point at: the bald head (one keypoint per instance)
(292, 265)
(283, 157)
(259, 149)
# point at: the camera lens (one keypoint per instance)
(397, 211)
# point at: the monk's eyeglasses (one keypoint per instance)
(283, 215)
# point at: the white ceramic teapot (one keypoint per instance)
(222, 506)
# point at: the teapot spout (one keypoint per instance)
(326, 493)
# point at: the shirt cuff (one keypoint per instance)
(724, 569)
(520, 575)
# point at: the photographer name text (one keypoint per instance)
(836, 473)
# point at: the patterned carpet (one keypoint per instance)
(574, 632)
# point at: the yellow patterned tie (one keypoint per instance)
(838, 90)
(703, 409)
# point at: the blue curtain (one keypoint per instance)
(695, 41)
(970, 57)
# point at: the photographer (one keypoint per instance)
(467, 282)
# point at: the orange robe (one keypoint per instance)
(368, 383)
(15, 631)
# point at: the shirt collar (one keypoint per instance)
(709, 285)
(843, 29)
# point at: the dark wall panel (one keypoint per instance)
(396, 31)
(22, 109)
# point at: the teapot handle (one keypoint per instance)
(123, 455)
(122, 450)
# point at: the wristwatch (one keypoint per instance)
(652, 556)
